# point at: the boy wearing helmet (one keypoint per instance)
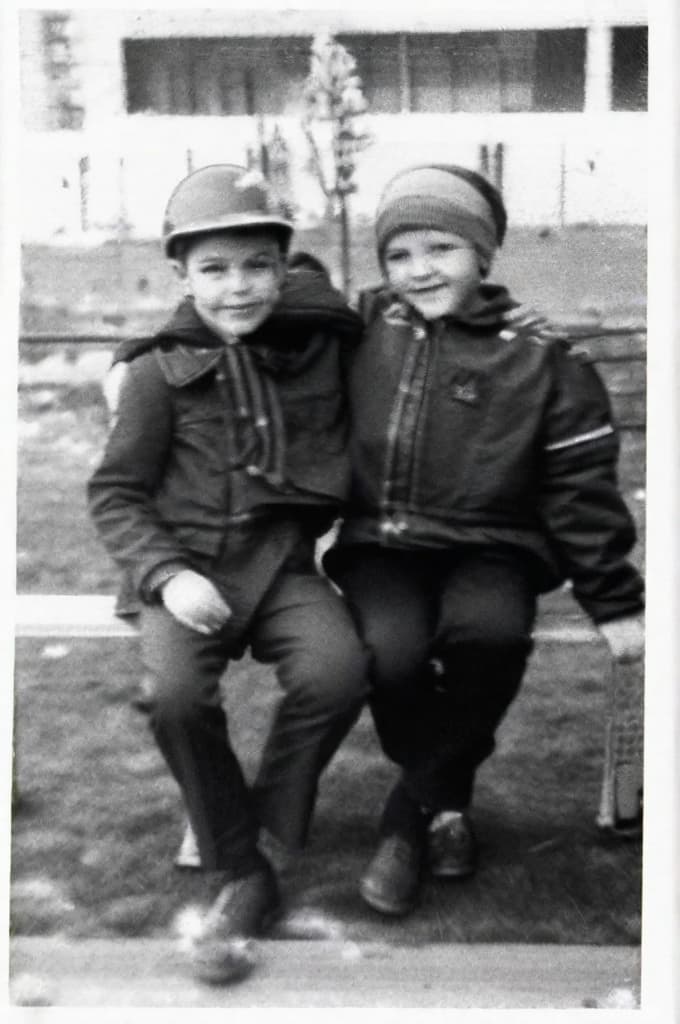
(226, 460)
(484, 472)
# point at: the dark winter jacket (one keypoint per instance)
(210, 438)
(488, 431)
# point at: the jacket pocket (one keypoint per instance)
(200, 443)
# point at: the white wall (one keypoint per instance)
(604, 161)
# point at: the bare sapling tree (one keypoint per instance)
(332, 123)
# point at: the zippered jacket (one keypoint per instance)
(209, 437)
(491, 430)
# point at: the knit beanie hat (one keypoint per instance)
(444, 197)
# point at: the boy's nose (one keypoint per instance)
(237, 279)
(420, 266)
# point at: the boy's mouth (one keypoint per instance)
(429, 289)
(247, 307)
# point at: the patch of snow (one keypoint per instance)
(53, 652)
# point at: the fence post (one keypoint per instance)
(122, 207)
(562, 197)
(484, 159)
(84, 189)
(498, 165)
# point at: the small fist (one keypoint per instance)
(626, 637)
(195, 602)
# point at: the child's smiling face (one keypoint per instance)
(437, 272)
(234, 279)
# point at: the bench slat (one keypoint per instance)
(76, 615)
(69, 615)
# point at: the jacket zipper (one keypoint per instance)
(404, 390)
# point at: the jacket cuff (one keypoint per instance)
(153, 581)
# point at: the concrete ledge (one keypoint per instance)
(69, 615)
(93, 615)
(148, 972)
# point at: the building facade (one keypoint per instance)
(551, 104)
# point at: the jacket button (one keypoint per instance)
(389, 526)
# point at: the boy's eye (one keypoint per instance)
(260, 263)
(441, 247)
(396, 256)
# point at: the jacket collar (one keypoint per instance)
(490, 309)
(187, 349)
(181, 365)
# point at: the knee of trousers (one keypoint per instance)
(327, 682)
(500, 666)
(398, 675)
(176, 698)
(398, 658)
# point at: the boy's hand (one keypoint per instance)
(626, 637)
(195, 602)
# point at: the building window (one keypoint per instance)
(253, 75)
(60, 63)
(629, 68)
(560, 65)
(476, 72)
(513, 71)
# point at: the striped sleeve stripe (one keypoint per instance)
(591, 435)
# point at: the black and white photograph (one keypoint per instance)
(372, 283)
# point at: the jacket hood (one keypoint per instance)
(495, 308)
(491, 307)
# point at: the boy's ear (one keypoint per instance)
(179, 268)
(180, 271)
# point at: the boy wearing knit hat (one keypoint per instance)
(226, 460)
(484, 473)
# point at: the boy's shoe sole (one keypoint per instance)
(222, 961)
(377, 902)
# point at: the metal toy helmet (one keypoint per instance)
(221, 196)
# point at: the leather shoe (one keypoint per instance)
(391, 883)
(452, 847)
(244, 906)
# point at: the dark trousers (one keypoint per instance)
(304, 629)
(450, 634)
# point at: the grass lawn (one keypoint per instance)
(99, 818)
(565, 273)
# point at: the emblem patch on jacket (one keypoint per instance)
(464, 386)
